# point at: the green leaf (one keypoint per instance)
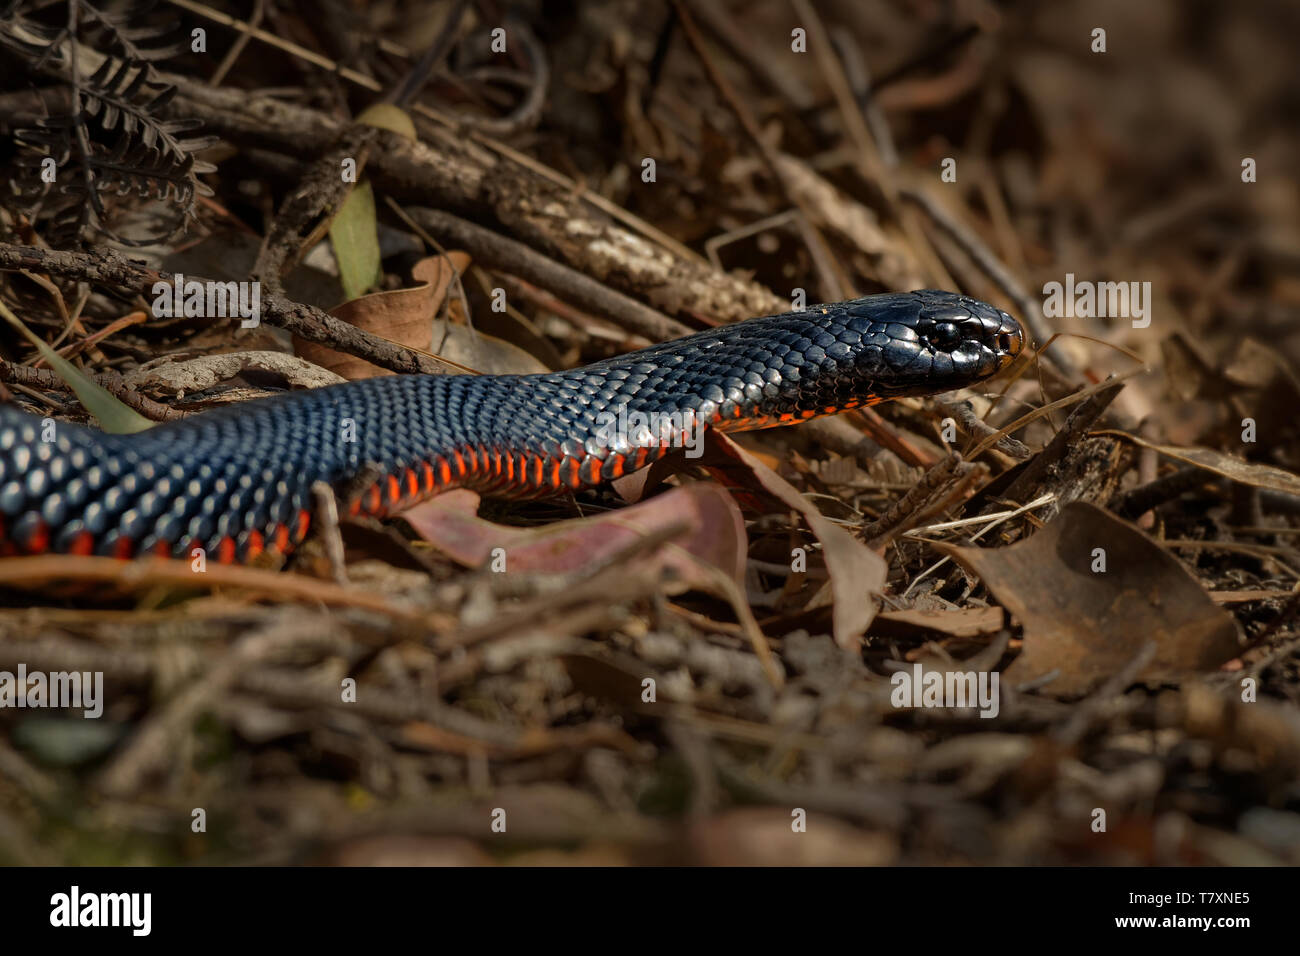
(388, 116)
(353, 231)
(112, 414)
(355, 237)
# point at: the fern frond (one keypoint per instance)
(114, 142)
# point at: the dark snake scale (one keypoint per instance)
(237, 480)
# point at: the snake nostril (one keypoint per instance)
(1004, 342)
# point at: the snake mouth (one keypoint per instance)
(1009, 339)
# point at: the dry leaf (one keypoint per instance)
(713, 532)
(1088, 624)
(1244, 472)
(404, 316)
(482, 352)
(857, 574)
(957, 622)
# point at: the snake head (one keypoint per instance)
(930, 341)
(967, 340)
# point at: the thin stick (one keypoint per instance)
(327, 510)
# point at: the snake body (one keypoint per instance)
(237, 481)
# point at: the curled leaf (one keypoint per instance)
(713, 533)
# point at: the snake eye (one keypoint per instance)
(945, 336)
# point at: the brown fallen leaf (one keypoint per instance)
(1243, 472)
(857, 574)
(484, 353)
(714, 533)
(404, 316)
(1087, 625)
(704, 545)
(957, 622)
(488, 345)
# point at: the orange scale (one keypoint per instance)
(255, 545)
(38, 542)
(83, 543)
